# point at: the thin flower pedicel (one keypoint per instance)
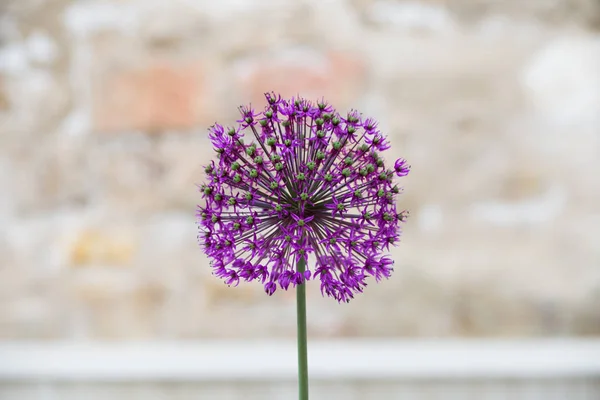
(296, 182)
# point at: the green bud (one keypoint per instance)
(274, 185)
(232, 201)
(346, 172)
(207, 190)
(333, 241)
(319, 122)
(328, 177)
(236, 226)
(237, 178)
(301, 222)
(278, 208)
(380, 193)
(208, 169)
(327, 117)
(286, 123)
(287, 142)
(214, 219)
(387, 216)
(311, 165)
(235, 166)
(249, 196)
(304, 196)
(253, 173)
(249, 220)
(363, 172)
(358, 193)
(320, 155)
(271, 141)
(288, 238)
(300, 176)
(402, 216)
(275, 158)
(218, 197)
(363, 147)
(278, 166)
(258, 160)
(348, 160)
(351, 130)
(320, 134)
(263, 122)
(231, 132)
(341, 207)
(335, 121)
(370, 168)
(251, 150)
(269, 114)
(337, 145)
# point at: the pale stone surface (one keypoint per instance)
(103, 110)
(534, 389)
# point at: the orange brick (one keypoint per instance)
(347, 76)
(159, 97)
(339, 79)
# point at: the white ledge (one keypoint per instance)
(276, 360)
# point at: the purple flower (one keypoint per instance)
(299, 181)
(401, 167)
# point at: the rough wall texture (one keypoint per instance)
(103, 112)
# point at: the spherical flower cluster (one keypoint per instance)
(307, 184)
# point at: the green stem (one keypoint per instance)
(302, 353)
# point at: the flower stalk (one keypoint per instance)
(302, 341)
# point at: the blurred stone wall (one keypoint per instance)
(104, 107)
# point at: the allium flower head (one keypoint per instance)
(300, 181)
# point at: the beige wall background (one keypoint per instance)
(104, 106)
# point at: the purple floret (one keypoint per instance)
(299, 181)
